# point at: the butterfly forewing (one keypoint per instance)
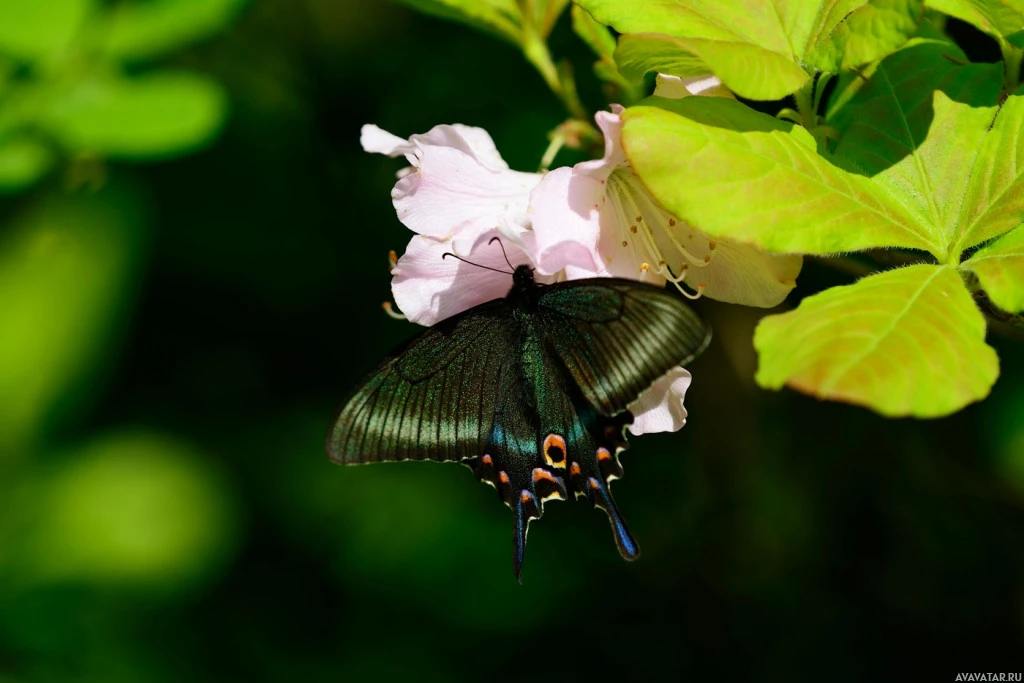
(434, 399)
(617, 338)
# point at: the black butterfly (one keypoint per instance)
(530, 391)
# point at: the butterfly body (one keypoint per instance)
(530, 391)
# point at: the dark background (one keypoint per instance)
(174, 517)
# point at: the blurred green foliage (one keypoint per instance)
(74, 82)
(174, 336)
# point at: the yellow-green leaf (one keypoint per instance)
(143, 30)
(156, 116)
(132, 507)
(995, 191)
(735, 173)
(1000, 268)
(66, 269)
(501, 18)
(998, 18)
(23, 161)
(907, 342)
(34, 30)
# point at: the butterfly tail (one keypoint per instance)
(523, 510)
(602, 498)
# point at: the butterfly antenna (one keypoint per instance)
(498, 240)
(456, 256)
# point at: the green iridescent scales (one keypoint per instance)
(531, 391)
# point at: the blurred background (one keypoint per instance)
(193, 254)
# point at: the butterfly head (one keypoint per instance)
(522, 277)
(524, 290)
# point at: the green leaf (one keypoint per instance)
(995, 195)
(849, 82)
(743, 43)
(23, 161)
(595, 35)
(66, 277)
(875, 30)
(166, 515)
(500, 18)
(144, 30)
(762, 49)
(746, 69)
(639, 54)
(33, 30)
(155, 116)
(907, 342)
(1000, 268)
(735, 173)
(998, 18)
(916, 128)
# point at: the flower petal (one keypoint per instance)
(660, 408)
(565, 215)
(429, 288)
(379, 141)
(474, 142)
(674, 87)
(452, 191)
(457, 180)
(610, 124)
(737, 273)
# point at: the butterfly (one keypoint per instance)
(530, 391)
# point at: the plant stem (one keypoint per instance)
(535, 49)
(1013, 56)
(805, 104)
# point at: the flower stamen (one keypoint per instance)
(634, 205)
(391, 312)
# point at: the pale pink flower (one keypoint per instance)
(458, 194)
(456, 181)
(604, 205)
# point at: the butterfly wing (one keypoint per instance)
(432, 399)
(616, 337)
(531, 397)
(462, 391)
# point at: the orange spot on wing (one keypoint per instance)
(525, 497)
(554, 450)
(592, 483)
(539, 474)
(603, 454)
(503, 477)
(575, 469)
(487, 460)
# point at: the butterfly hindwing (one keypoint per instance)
(617, 337)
